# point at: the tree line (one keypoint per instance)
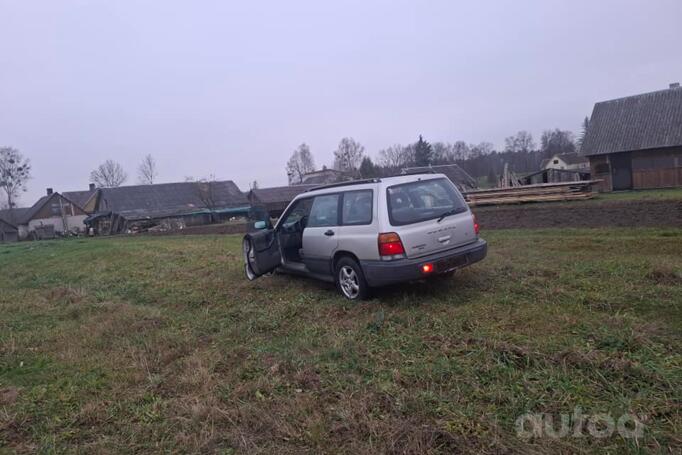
(521, 153)
(15, 172)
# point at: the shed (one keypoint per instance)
(636, 142)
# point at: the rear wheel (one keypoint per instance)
(350, 281)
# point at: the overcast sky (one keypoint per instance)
(231, 88)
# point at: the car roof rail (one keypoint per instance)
(418, 170)
(348, 183)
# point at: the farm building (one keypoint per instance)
(53, 214)
(84, 199)
(325, 176)
(276, 199)
(8, 232)
(169, 205)
(455, 173)
(567, 162)
(636, 142)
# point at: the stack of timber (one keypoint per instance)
(543, 192)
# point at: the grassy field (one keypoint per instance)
(160, 345)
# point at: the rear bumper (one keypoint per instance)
(381, 273)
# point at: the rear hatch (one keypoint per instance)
(429, 216)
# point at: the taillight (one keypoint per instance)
(390, 245)
(476, 228)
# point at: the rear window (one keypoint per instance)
(423, 200)
(357, 208)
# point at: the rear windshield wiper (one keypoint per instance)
(452, 211)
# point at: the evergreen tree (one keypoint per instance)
(368, 169)
(423, 153)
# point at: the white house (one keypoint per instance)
(567, 162)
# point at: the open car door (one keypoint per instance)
(261, 253)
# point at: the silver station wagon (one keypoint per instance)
(369, 233)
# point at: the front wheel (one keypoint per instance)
(247, 249)
(350, 281)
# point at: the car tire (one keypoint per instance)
(247, 251)
(349, 279)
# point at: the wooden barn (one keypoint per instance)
(636, 142)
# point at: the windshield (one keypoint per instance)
(423, 200)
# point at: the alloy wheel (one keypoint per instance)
(349, 282)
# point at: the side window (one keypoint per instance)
(357, 207)
(325, 211)
(299, 211)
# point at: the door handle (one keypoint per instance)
(329, 233)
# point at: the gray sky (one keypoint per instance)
(231, 88)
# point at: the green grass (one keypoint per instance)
(643, 195)
(158, 344)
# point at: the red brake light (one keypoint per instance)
(476, 227)
(390, 244)
(427, 268)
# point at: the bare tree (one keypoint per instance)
(482, 149)
(15, 171)
(254, 185)
(147, 173)
(557, 141)
(109, 174)
(348, 156)
(300, 163)
(521, 142)
(459, 151)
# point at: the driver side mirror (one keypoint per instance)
(260, 225)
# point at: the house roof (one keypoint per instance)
(327, 175)
(80, 198)
(40, 203)
(13, 216)
(454, 172)
(170, 199)
(5, 226)
(279, 193)
(568, 158)
(647, 121)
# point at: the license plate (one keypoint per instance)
(445, 265)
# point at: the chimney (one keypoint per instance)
(675, 85)
(92, 187)
(49, 191)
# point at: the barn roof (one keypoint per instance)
(647, 121)
(170, 199)
(455, 173)
(279, 193)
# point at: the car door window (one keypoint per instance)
(299, 212)
(325, 211)
(357, 207)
